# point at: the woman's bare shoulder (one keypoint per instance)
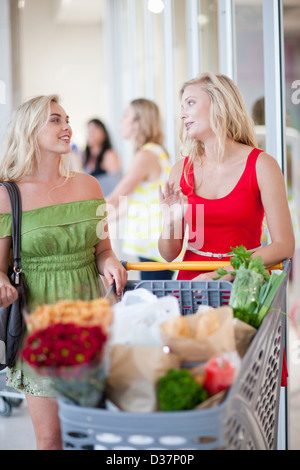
(176, 171)
(86, 185)
(4, 201)
(268, 170)
(111, 153)
(266, 162)
(111, 161)
(145, 155)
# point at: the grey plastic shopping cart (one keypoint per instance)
(246, 419)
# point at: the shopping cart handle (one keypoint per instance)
(125, 264)
(111, 291)
(184, 266)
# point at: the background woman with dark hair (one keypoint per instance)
(99, 158)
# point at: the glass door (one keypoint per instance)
(258, 66)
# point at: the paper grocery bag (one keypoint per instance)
(244, 334)
(133, 376)
(189, 349)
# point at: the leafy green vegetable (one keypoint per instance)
(178, 390)
(242, 258)
(266, 296)
(253, 289)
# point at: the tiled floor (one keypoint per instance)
(16, 431)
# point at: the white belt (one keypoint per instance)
(214, 255)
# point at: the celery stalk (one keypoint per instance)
(269, 294)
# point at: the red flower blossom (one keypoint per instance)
(63, 345)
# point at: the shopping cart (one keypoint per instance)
(246, 419)
(9, 398)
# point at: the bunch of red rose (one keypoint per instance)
(64, 345)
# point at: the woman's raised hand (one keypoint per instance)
(173, 203)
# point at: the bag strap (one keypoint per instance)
(16, 215)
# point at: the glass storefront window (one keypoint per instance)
(209, 36)
(250, 57)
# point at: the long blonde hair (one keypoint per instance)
(19, 154)
(229, 117)
(150, 125)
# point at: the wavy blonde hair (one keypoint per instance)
(150, 126)
(229, 117)
(20, 154)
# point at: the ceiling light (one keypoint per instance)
(156, 6)
(203, 20)
(21, 3)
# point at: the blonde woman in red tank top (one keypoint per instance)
(224, 186)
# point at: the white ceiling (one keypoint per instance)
(92, 11)
(79, 11)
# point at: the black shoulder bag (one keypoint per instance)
(12, 322)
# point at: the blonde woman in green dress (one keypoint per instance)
(65, 245)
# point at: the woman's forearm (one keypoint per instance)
(105, 257)
(275, 252)
(171, 241)
(109, 266)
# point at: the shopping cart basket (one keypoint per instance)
(246, 419)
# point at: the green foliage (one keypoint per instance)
(254, 288)
(242, 258)
(178, 390)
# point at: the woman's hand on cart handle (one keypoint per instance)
(115, 273)
(212, 275)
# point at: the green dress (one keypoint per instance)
(57, 254)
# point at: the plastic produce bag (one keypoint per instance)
(138, 316)
(245, 292)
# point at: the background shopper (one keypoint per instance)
(99, 158)
(150, 166)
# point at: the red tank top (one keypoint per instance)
(216, 225)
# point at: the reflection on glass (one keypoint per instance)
(291, 14)
(249, 50)
(208, 24)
